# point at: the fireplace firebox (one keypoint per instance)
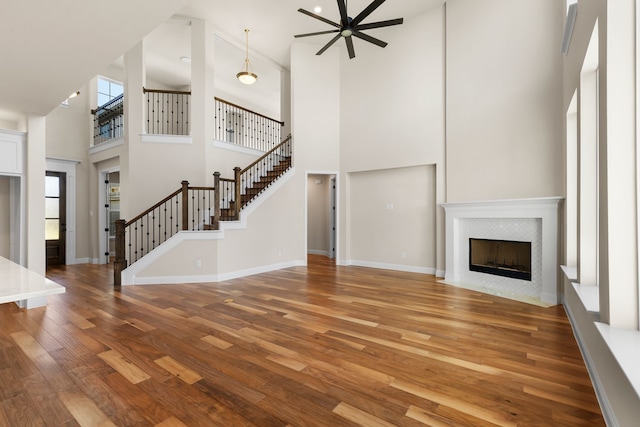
(505, 258)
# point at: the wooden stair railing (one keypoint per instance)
(189, 208)
(252, 180)
(184, 209)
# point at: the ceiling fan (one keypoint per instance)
(351, 27)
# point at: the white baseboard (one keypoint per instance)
(317, 252)
(213, 278)
(397, 267)
(263, 269)
(601, 395)
(85, 260)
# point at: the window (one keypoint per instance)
(108, 89)
(52, 207)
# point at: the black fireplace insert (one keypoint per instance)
(505, 258)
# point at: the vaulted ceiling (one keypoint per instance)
(49, 49)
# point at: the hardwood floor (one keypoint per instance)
(323, 345)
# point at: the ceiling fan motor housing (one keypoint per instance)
(349, 27)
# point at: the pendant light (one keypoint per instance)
(246, 76)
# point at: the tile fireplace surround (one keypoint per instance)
(530, 220)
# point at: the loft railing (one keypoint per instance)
(197, 208)
(167, 112)
(108, 120)
(246, 128)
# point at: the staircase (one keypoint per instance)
(189, 208)
(254, 190)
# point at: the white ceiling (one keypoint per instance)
(273, 23)
(50, 49)
(272, 26)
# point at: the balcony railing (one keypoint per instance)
(167, 112)
(108, 120)
(243, 127)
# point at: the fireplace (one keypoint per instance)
(507, 258)
(517, 220)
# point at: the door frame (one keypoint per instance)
(61, 245)
(69, 168)
(102, 214)
(335, 195)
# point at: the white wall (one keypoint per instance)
(392, 218)
(68, 139)
(263, 96)
(315, 94)
(392, 100)
(392, 116)
(5, 215)
(504, 97)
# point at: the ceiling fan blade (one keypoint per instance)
(328, 45)
(316, 34)
(379, 24)
(344, 18)
(366, 12)
(370, 39)
(352, 52)
(313, 15)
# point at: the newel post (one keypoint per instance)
(238, 196)
(216, 200)
(120, 262)
(185, 205)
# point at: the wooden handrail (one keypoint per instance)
(106, 104)
(248, 111)
(157, 205)
(265, 155)
(177, 92)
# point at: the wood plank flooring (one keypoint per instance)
(305, 346)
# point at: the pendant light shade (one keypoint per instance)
(246, 76)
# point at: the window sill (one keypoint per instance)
(588, 293)
(625, 347)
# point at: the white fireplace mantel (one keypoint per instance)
(544, 211)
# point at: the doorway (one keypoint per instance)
(110, 194)
(322, 223)
(55, 217)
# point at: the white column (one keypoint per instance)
(619, 271)
(588, 172)
(36, 169)
(571, 185)
(202, 92)
(134, 81)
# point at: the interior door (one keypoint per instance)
(55, 217)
